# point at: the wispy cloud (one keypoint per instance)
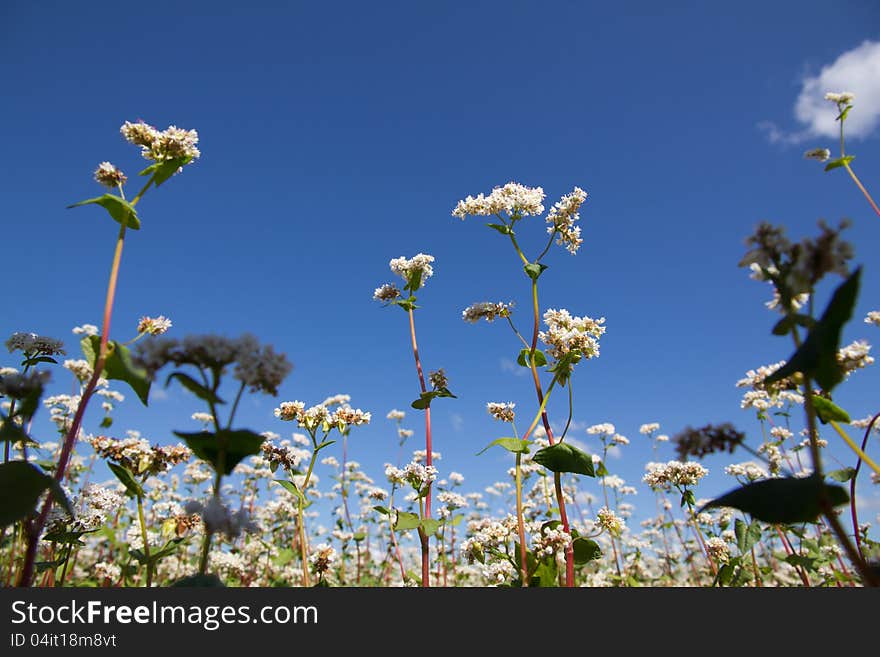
(457, 422)
(511, 367)
(856, 71)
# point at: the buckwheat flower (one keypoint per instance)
(648, 429)
(85, 329)
(8, 371)
(405, 268)
(606, 429)
(617, 439)
(854, 356)
(290, 410)
(219, 518)
(386, 292)
(873, 317)
(322, 558)
(843, 97)
(395, 414)
(80, 368)
(749, 470)
(106, 571)
(864, 422)
(154, 325)
(718, 549)
(549, 542)
(419, 476)
(452, 500)
(31, 344)
(513, 198)
(403, 434)
(487, 310)
(566, 334)
(821, 154)
(336, 400)
(674, 473)
(498, 572)
(562, 217)
(438, 379)
(501, 411)
(610, 522)
(780, 432)
(420, 455)
(109, 176)
(139, 134)
(206, 418)
(456, 478)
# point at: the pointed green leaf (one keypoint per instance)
(524, 358)
(782, 501)
(194, 387)
(162, 171)
(225, 448)
(381, 509)
(546, 574)
(515, 445)
(784, 325)
(406, 520)
(585, 550)
(563, 457)
(746, 535)
(843, 475)
(21, 485)
(123, 474)
(839, 162)
(118, 365)
(430, 525)
(534, 270)
(501, 228)
(826, 411)
(817, 355)
(290, 487)
(121, 210)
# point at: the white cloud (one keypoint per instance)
(856, 71)
(457, 422)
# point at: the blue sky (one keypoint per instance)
(336, 136)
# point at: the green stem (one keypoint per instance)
(145, 538)
(520, 521)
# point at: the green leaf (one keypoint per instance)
(839, 162)
(817, 355)
(324, 444)
(784, 325)
(782, 501)
(515, 445)
(843, 475)
(563, 457)
(826, 411)
(406, 520)
(162, 171)
(123, 474)
(21, 485)
(118, 365)
(534, 270)
(425, 398)
(225, 448)
(121, 210)
(200, 580)
(194, 387)
(746, 535)
(37, 360)
(501, 228)
(524, 358)
(430, 525)
(414, 281)
(11, 432)
(381, 509)
(585, 550)
(808, 563)
(725, 575)
(601, 470)
(546, 574)
(107, 422)
(290, 487)
(65, 538)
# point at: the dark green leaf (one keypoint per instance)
(106, 422)
(21, 485)
(826, 411)
(65, 538)
(290, 487)
(817, 355)
(782, 501)
(200, 580)
(118, 365)
(563, 457)
(123, 474)
(546, 574)
(324, 444)
(524, 358)
(601, 470)
(585, 550)
(194, 387)
(359, 536)
(224, 449)
(381, 509)
(515, 445)
(501, 228)
(725, 575)
(162, 171)
(406, 520)
(37, 360)
(121, 210)
(746, 535)
(839, 162)
(808, 563)
(43, 566)
(534, 270)
(784, 325)
(425, 398)
(842, 475)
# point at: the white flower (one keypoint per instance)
(821, 154)
(512, 198)
(674, 473)
(154, 325)
(843, 97)
(873, 317)
(562, 217)
(406, 268)
(501, 411)
(487, 310)
(109, 176)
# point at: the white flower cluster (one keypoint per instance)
(452, 500)
(718, 549)
(674, 473)
(498, 572)
(548, 542)
(320, 416)
(854, 356)
(154, 325)
(648, 429)
(415, 474)
(748, 470)
(562, 217)
(843, 97)
(137, 455)
(386, 292)
(873, 317)
(487, 534)
(566, 333)
(31, 344)
(610, 521)
(218, 518)
(85, 329)
(395, 414)
(604, 429)
(512, 198)
(760, 398)
(104, 570)
(820, 154)
(501, 411)
(488, 310)
(109, 176)
(170, 144)
(322, 558)
(405, 268)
